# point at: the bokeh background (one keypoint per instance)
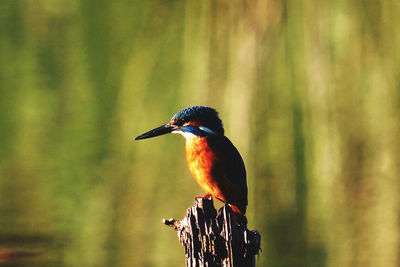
(309, 92)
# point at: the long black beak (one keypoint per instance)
(164, 129)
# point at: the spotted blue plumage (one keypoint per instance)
(206, 116)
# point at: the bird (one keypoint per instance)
(213, 160)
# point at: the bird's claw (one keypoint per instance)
(208, 196)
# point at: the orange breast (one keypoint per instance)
(202, 161)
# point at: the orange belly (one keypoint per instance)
(201, 161)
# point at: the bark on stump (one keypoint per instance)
(214, 239)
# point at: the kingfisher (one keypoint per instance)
(213, 160)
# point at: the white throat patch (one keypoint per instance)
(187, 135)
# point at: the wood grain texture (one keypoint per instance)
(212, 238)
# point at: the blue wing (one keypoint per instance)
(232, 166)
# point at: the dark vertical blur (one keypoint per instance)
(308, 91)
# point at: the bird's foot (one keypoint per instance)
(209, 196)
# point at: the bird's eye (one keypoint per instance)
(179, 122)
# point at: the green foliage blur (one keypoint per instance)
(309, 92)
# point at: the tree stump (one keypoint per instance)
(214, 239)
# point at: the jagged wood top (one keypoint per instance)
(212, 238)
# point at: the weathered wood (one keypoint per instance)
(215, 239)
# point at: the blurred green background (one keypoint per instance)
(309, 92)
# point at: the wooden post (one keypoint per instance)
(214, 239)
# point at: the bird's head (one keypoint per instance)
(196, 120)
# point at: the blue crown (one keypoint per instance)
(205, 116)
